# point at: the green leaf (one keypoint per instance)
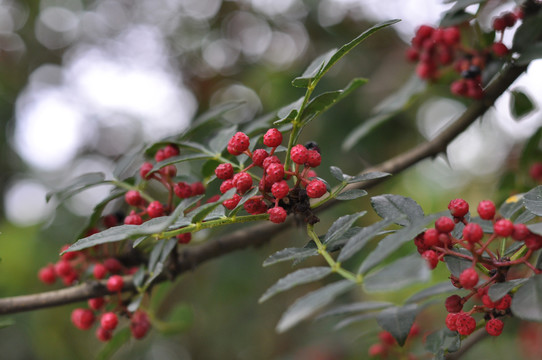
(443, 340)
(463, 4)
(532, 200)
(201, 213)
(290, 254)
(135, 303)
(527, 33)
(365, 177)
(155, 254)
(221, 139)
(511, 206)
(243, 200)
(78, 184)
(452, 18)
(179, 320)
(6, 322)
(315, 67)
(288, 112)
(164, 252)
(354, 319)
(358, 307)
(299, 277)
(351, 194)
(341, 225)
(324, 101)
(440, 288)
(403, 272)
(119, 338)
(358, 241)
(394, 241)
(98, 209)
(456, 265)
(307, 305)
(405, 210)
(527, 304)
(531, 53)
(520, 104)
(179, 159)
(498, 290)
(398, 321)
(125, 166)
(337, 173)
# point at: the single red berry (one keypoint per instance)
(109, 321)
(47, 274)
(426, 70)
(488, 303)
(474, 90)
(458, 208)
(454, 304)
(133, 198)
(277, 214)
(171, 151)
(230, 204)
(115, 283)
(168, 171)
(520, 232)
(311, 174)
(280, 189)
(70, 278)
(113, 265)
(533, 242)
(412, 55)
(109, 221)
(299, 154)
(499, 24)
(420, 243)
(486, 209)
(535, 171)
(183, 190)
(82, 318)
(499, 49)
(378, 350)
(99, 271)
(465, 324)
(510, 19)
(255, 206)
(275, 172)
(242, 181)
(431, 257)
(444, 225)
(314, 159)
(155, 209)
(232, 150)
(473, 233)
(451, 320)
(69, 255)
(96, 303)
(139, 324)
(430, 237)
(503, 227)
(468, 278)
(258, 157)
(272, 138)
(239, 143)
(184, 238)
(224, 171)
(451, 35)
(226, 185)
(316, 188)
(103, 335)
(459, 88)
(145, 169)
(270, 160)
(264, 186)
(63, 268)
(197, 188)
(386, 338)
(494, 327)
(213, 199)
(160, 155)
(133, 219)
(504, 303)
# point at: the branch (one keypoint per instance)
(260, 234)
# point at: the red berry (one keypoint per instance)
(277, 214)
(47, 274)
(499, 24)
(451, 36)
(378, 350)
(110, 220)
(224, 171)
(272, 138)
(503, 227)
(139, 324)
(184, 238)
(454, 304)
(499, 49)
(520, 232)
(239, 143)
(70, 278)
(133, 219)
(451, 320)
(145, 169)
(258, 157)
(535, 171)
(99, 271)
(424, 32)
(197, 188)
(473, 233)
(468, 278)
(96, 303)
(183, 190)
(226, 185)
(313, 158)
(113, 265)
(115, 283)
(230, 204)
(168, 171)
(486, 209)
(270, 160)
(533, 242)
(458, 208)
(109, 321)
(63, 268)
(494, 327)
(232, 150)
(510, 19)
(103, 335)
(444, 225)
(155, 209)
(431, 257)
(488, 303)
(412, 55)
(171, 150)
(430, 237)
(420, 243)
(242, 181)
(82, 318)
(255, 206)
(504, 303)
(69, 255)
(465, 324)
(280, 189)
(160, 155)
(386, 338)
(275, 172)
(133, 198)
(426, 70)
(299, 154)
(316, 188)
(459, 88)
(264, 186)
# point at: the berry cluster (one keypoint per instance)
(276, 197)
(387, 347)
(439, 50)
(475, 247)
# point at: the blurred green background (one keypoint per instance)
(84, 82)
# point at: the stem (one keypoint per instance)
(213, 223)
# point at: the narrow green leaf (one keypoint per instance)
(362, 237)
(398, 321)
(290, 254)
(341, 225)
(313, 70)
(498, 290)
(358, 307)
(139, 276)
(135, 303)
(351, 194)
(221, 139)
(354, 319)
(532, 200)
(527, 33)
(307, 305)
(440, 288)
(299, 277)
(403, 272)
(456, 265)
(520, 104)
(201, 213)
(78, 184)
(157, 268)
(119, 338)
(125, 166)
(98, 210)
(527, 304)
(155, 255)
(179, 159)
(531, 53)
(337, 173)
(365, 177)
(403, 209)
(511, 206)
(288, 112)
(443, 340)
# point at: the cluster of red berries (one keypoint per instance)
(438, 50)
(387, 347)
(437, 242)
(273, 186)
